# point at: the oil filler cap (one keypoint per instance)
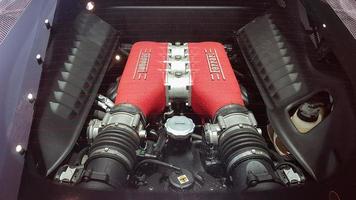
(179, 127)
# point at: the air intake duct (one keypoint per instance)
(242, 149)
(113, 151)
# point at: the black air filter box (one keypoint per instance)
(278, 55)
(77, 58)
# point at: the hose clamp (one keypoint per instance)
(116, 154)
(239, 157)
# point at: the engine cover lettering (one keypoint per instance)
(142, 64)
(215, 68)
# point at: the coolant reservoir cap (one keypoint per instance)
(179, 127)
(308, 112)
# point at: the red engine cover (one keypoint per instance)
(142, 83)
(214, 82)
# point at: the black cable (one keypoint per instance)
(276, 156)
(157, 162)
(197, 142)
(80, 156)
(160, 142)
(99, 114)
(197, 137)
(126, 53)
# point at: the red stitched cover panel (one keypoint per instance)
(214, 83)
(142, 83)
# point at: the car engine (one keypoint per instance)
(178, 122)
(234, 98)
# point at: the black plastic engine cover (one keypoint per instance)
(77, 59)
(277, 52)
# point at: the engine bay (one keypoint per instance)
(129, 107)
(178, 107)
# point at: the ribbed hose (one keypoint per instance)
(111, 156)
(236, 140)
(246, 157)
(119, 138)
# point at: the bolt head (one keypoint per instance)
(253, 183)
(47, 23)
(178, 74)
(30, 97)
(178, 57)
(90, 6)
(19, 149)
(324, 25)
(39, 59)
(117, 57)
(142, 134)
(106, 149)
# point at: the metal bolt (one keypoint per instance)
(253, 151)
(324, 25)
(150, 188)
(178, 57)
(31, 98)
(178, 74)
(90, 6)
(48, 24)
(19, 149)
(106, 149)
(240, 126)
(253, 183)
(117, 57)
(142, 134)
(39, 59)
